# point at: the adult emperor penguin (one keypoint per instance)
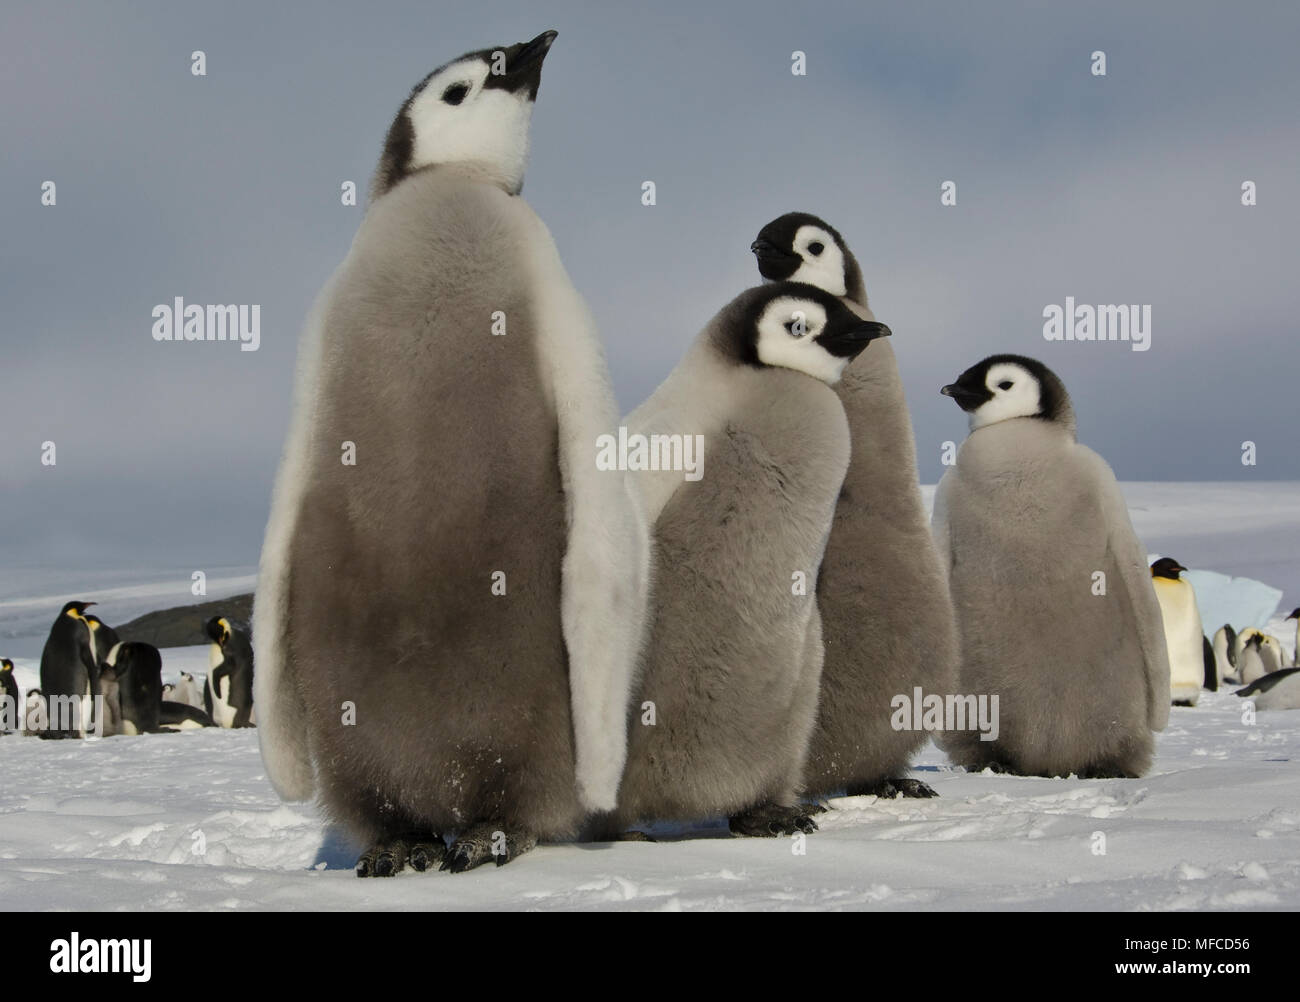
(1055, 606)
(228, 694)
(1295, 651)
(1184, 636)
(887, 617)
(102, 638)
(472, 591)
(1279, 690)
(735, 650)
(69, 673)
(11, 713)
(137, 671)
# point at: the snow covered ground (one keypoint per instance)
(188, 821)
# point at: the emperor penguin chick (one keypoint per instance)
(1057, 614)
(887, 617)
(448, 621)
(735, 649)
(1184, 636)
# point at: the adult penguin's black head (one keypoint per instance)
(1167, 567)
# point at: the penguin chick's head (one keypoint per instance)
(217, 629)
(1167, 567)
(794, 326)
(473, 112)
(799, 247)
(76, 610)
(1003, 387)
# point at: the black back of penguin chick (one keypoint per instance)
(473, 111)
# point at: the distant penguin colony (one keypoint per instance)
(1054, 604)
(94, 684)
(887, 619)
(473, 637)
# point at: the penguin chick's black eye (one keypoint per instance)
(794, 328)
(1006, 384)
(815, 248)
(455, 94)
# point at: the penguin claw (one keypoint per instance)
(380, 861)
(772, 821)
(425, 854)
(908, 787)
(480, 843)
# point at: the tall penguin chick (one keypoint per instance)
(886, 615)
(458, 373)
(69, 673)
(1057, 613)
(735, 649)
(1184, 638)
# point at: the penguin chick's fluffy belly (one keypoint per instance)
(732, 667)
(1010, 587)
(497, 663)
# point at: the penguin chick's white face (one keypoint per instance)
(822, 261)
(474, 112)
(1015, 393)
(456, 119)
(791, 332)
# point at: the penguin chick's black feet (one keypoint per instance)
(487, 841)
(891, 789)
(773, 821)
(387, 859)
(632, 835)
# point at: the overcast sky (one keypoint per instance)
(1121, 189)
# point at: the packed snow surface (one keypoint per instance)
(189, 821)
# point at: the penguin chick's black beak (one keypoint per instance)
(774, 263)
(523, 70)
(965, 399)
(532, 52)
(850, 342)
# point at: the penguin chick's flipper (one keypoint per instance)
(482, 842)
(891, 789)
(772, 821)
(389, 858)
